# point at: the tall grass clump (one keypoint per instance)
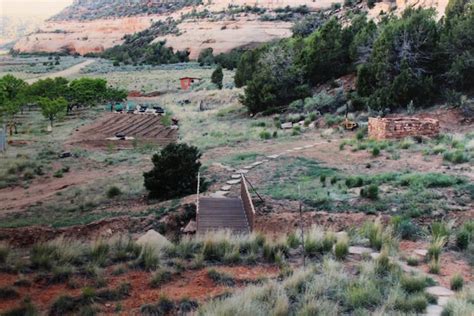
(341, 249)
(465, 235)
(461, 304)
(440, 229)
(148, 258)
(318, 242)
(457, 282)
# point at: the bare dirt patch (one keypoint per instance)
(144, 128)
(192, 284)
(451, 263)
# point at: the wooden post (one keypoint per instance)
(197, 201)
(301, 225)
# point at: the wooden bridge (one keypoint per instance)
(235, 214)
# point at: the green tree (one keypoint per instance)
(13, 97)
(277, 81)
(217, 77)
(325, 56)
(87, 92)
(52, 109)
(49, 88)
(206, 57)
(402, 63)
(10, 110)
(174, 173)
(116, 95)
(247, 67)
(457, 47)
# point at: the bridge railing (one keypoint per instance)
(247, 202)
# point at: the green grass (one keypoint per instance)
(410, 193)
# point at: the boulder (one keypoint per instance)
(153, 239)
(287, 125)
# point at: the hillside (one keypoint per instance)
(94, 26)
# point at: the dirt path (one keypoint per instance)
(64, 73)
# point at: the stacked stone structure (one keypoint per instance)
(401, 127)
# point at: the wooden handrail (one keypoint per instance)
(247, 202)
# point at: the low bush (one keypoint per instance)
(411, 304)
(375, 151)
(113, 191)
(8, 293)
(265, 135)
(456, 157)
(465, 235)
(412, 284)
(164, 307)
(363, 295)
(220, 278)
(457, 282)
(405, 228)
(354, 182)
(371, 192)
(413, 261)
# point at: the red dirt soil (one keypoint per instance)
(192, 284)
(451, 263)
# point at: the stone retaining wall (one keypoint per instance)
(401, 127)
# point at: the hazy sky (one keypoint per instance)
(28, 8)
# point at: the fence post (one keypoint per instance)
(3, 138)
(197, 201)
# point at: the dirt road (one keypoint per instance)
(64, 73)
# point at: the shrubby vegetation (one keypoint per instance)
(412, 59)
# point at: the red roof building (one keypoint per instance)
(187, 82)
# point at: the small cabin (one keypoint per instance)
(187, 82)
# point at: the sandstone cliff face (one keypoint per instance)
(97, 35)
(81, 37)
(398, 6)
